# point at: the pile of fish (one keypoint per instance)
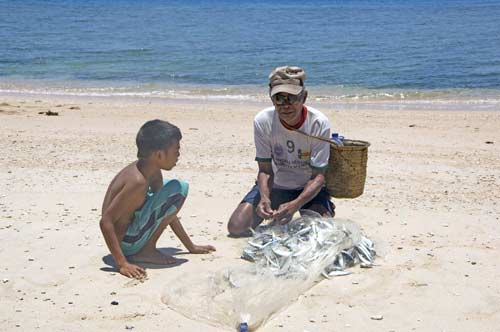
(291, 249)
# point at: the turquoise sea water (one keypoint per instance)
(351, 50)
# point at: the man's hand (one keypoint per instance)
(132, 271)
(285, 212)
(201, 249)
(264, 209)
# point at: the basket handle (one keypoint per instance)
(315, 137)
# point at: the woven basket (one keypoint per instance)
(346, 174)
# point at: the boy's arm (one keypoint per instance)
(186, 241)
(123, 205)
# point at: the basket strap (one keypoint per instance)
(315, 137)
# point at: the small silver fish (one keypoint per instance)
(338, 273)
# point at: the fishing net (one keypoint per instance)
(288, 260)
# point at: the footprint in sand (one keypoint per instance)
(3, 111)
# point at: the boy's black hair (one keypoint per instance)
(156, 135)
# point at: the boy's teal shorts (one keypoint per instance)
(149, 216)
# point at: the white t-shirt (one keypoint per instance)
(293, 155)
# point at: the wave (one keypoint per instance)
(250, 93)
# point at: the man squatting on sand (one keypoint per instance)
(139, 205)
(291, 165)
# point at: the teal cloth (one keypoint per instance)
(157, 206)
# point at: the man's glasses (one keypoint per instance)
(286, 99)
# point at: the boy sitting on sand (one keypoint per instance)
(138, 205)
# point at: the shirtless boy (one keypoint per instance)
(139, 205)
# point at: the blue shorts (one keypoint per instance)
(157, 206)
(280, 196)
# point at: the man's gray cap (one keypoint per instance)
(286, 79)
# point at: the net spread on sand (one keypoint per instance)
(289, 260)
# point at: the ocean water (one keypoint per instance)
(351, 50)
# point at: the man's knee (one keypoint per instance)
(239, 225)
(241, 219)
(236, 227)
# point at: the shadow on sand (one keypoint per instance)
(111, 265)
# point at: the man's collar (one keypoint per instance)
(300, 123)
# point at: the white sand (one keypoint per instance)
(431, 202)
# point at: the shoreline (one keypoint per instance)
(263, 101)
(207, 93)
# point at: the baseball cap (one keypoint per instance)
(286, 79)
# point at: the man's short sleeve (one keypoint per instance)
(262, 143)
(320, 151)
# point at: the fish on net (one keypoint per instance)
(287, 261)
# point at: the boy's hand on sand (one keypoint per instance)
(202, 249)
(132, 271)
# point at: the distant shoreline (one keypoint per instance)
(372, 106)
(349, 97)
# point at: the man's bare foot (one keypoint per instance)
(152, 256)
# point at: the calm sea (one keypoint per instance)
(351, 50)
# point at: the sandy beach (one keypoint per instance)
(431, 203)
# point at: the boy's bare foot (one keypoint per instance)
(152, 256)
